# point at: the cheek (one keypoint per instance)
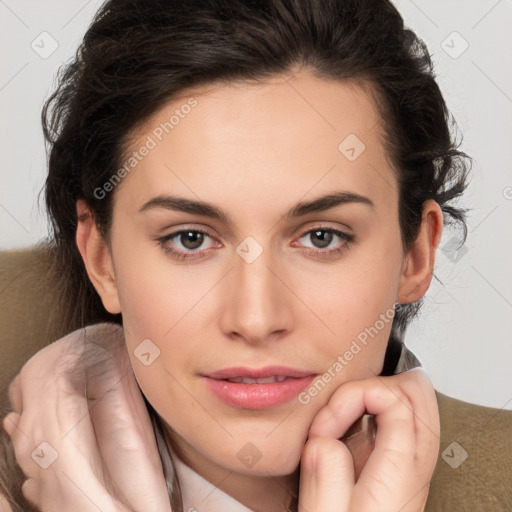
(352, 296)
(155, 294)
(354, 306)
(154, 305)
(157, 333)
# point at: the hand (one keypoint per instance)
(397, 474)
(80, 396)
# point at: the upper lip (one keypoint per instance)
(257, 373)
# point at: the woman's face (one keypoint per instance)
(271, 281)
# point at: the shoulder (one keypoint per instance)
(474, 468)
(29, 311)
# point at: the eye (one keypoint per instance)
(323, 237)
(190, 241)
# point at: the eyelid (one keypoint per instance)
(346, 230)
(347, 238)
(186, 229)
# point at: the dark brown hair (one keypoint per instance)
(137, 55)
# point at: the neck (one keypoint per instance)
(263, 494)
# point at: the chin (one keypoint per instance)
(265, 461)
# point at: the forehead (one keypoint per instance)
(289, 134)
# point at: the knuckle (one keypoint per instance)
(393, 397)
(416, 377)
(324, 451)
(30, 490)
(418, 384)
(313, 447)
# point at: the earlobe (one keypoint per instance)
(418, 267)
(97, 258)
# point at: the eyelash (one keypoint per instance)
(180, 255)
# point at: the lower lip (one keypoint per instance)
(257, 396)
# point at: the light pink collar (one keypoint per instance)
(199, 495)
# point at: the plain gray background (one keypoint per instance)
(463, 335)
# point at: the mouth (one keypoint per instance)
(264, 388)
(265, 380)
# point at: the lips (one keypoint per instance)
(257, 373)
(264, 388)
(263, 380)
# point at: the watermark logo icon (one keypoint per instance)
(44, 455)
(454, 45)
(454, 455)
(454, 250)
(249, 249)
(44, 45)
(351, 147)
(146, 352)
(249, 454)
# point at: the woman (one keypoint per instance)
(255, 191)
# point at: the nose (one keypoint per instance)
(258, 301)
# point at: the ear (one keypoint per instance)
(418, 267)
(97, 258)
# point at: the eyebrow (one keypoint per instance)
(300, 209)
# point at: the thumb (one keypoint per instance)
(326, 476)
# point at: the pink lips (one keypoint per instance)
(263, 395)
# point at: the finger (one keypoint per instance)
(404, 413)
(326, 476)
(421, 395)
(395, 428)
(31, 489)
(22, 444)
(415, 409)
(10, 422)
(64, 426)
(392, 460)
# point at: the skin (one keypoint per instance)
(80, 395)
(254, 151)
